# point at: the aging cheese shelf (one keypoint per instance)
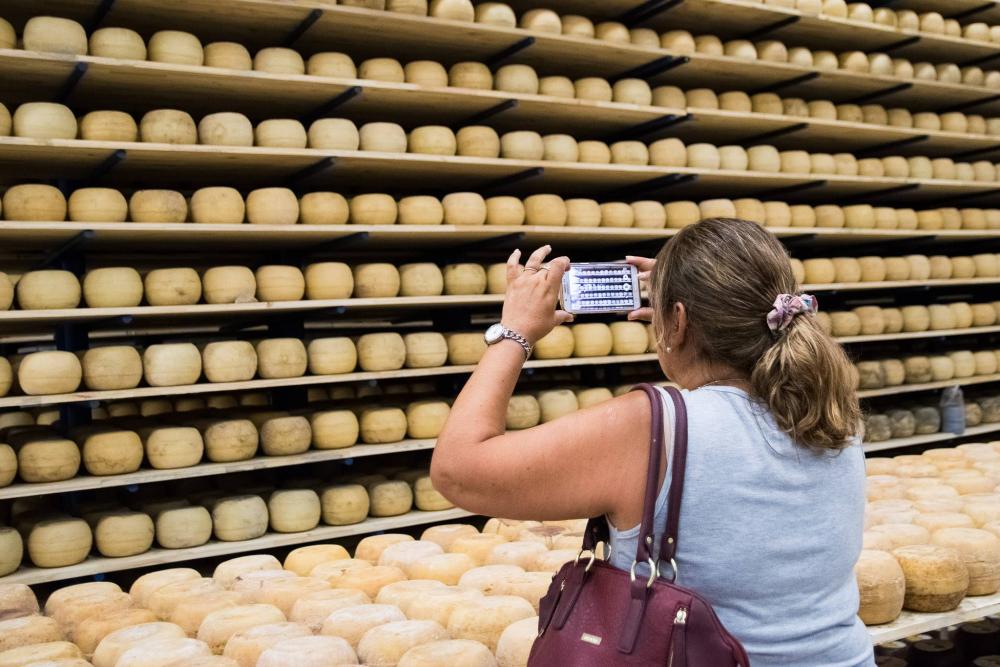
(91, 482)
(138, 86)
(98, 565)
(733, 19)
(900, 443)
(912, 623)
(32, 158)
(367, 33)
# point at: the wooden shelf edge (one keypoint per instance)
(912, 623)
(899, 443)
(913, 388)
(24, 490)
(156, 556)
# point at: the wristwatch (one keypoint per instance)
(498, 332)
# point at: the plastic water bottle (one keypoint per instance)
(953, 411)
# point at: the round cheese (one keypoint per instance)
(158, 206)
(221, 625)
(478, 141)
(381, 351)
(113, 452)
(464, 208)
(426, 419)
(594, 89)
(236, 518)
(179, 48)
(172, 287)
(34, 202)
(381, 425)
(376, 281)
(120, 43)
(59, 542)
(280, 133)
(279, 283)
(426, 73)
(516, 79)
(44, 120)
(344, 504)
(281, 358)
(703, 156)
(473, 75)
(112, 288)
(284, 435)
(272, 206)
(47, 290)
(764, 159)
(293, 510)
(108, 126)
(226, 129)
(183, 527)
(329, 280)
(227, 55)
(484, 620)
(307, 651)
(52, 372)
(123, 533)
(432, 140)
(165, 652)
(279, 61)
(382, 69)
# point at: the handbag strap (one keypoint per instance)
(678, 466)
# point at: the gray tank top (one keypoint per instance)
(769, 533)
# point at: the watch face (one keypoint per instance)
(494, 334)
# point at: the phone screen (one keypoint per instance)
(600, 287)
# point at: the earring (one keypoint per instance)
(669, 349)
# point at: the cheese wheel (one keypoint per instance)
(165, 652)
(382, 69)
(280, 133)
(515, 642)
(381, 137)
(592, 340)
(454, 10)
(426, 419)
(704, 156)
(556, 403)
(464, 208)
(376, 281)
(819, 271)
(26, 631)
(218, 627)
(381, 351)
(594, 152)
(764, 159)
(825, 60)
(426, 73)
(822, 109)
(307, 651)
(735, 100)
(226, 129)
(432, 140)
(380, 425)
(332, 280)
(470, 75)
(702, 98)
(612, 31)
(352, 623)
(484, 620)
(11, 551)
(179, 48)
(183, 527)
(425, 349)
(881, 585)
(123, 533)
(772, 51)
(523, 411)
(281, 436)
(281, 358)
(272, 206)
(670, 97)
(845, 324)
(386, 644)
(48, 290)
(478, 141)
(120, 43)
(112, 452)
(228, 55)
(58, 542)
(172, 287)
(741, 48)
(236, 518)
(53, 372)
(158, 206)
(34, 202)
(108, 126)
(420, 210)
(60, 653)
(520, 79)
(279, 283)
(678, 41)
(44, 120)
(632, 91)
(847, 269)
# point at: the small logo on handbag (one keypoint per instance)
(591, 639)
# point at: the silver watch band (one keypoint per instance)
(518, 338)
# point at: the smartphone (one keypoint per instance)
(600, 287)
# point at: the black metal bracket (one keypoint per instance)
(891, 245)
(788, 83)
(492, 242)
(788, 190)
(965, 155)
(653, 68)
(903, 43)
(972, 10)
(486, 114)
(509, 52)
(317, 168)
(299, 30)
(61, 255)
(799, 239)
(650, 186)
(868, 97)
(325, 108)
(958, 199)
(980, 61)
(969, 105)
(767, 29)
(774, 134)
(507, 181)
(647, 128)
(646, 11)
(79, 70)
(889, 145)
(332, 244)
(106, 167)
(100, 14)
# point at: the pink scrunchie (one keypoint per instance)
(786, 307)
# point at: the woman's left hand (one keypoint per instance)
(529, 307)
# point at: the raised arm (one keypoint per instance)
(588, 463)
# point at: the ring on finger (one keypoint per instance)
(531, 268)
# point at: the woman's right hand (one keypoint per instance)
(645, 266)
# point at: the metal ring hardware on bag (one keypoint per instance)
(590, 563)
(652, 572)
(673, 567)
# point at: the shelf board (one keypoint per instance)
(900, 443)
(912, 335)
(156, 556)
(367, 33)
(928, 386)
(912, 623)
(90, 482)
(304, 381)
(26, 158)
(29, 76)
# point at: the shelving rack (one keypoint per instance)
(97, 83)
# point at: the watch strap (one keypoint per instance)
(518, 338)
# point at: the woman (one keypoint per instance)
(772, 514)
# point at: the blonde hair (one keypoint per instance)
(727, 273)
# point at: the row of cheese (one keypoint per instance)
(162, 441)
(874, 320)
(920, 369)
(51, 34)
(280, 206)
(824, 271)
(47, 120)
(932, 526)
(54, 539)
(522, 79)
(906, 422)
(395, 604)
(118, 367)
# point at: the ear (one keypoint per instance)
(678, 324)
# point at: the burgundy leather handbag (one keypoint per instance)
(595, 615)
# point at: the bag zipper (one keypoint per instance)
(555, 605)
(678, 645)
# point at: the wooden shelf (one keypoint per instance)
(912, 623)
(732, 19)
(900, 443)
(366, 33)
(156, 556)
(177, 237)
(31, 158)
(912, 335)
(90, 482)
(307, 380)
(29, 76)
(928, 386)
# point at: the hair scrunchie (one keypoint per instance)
(787, 307)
